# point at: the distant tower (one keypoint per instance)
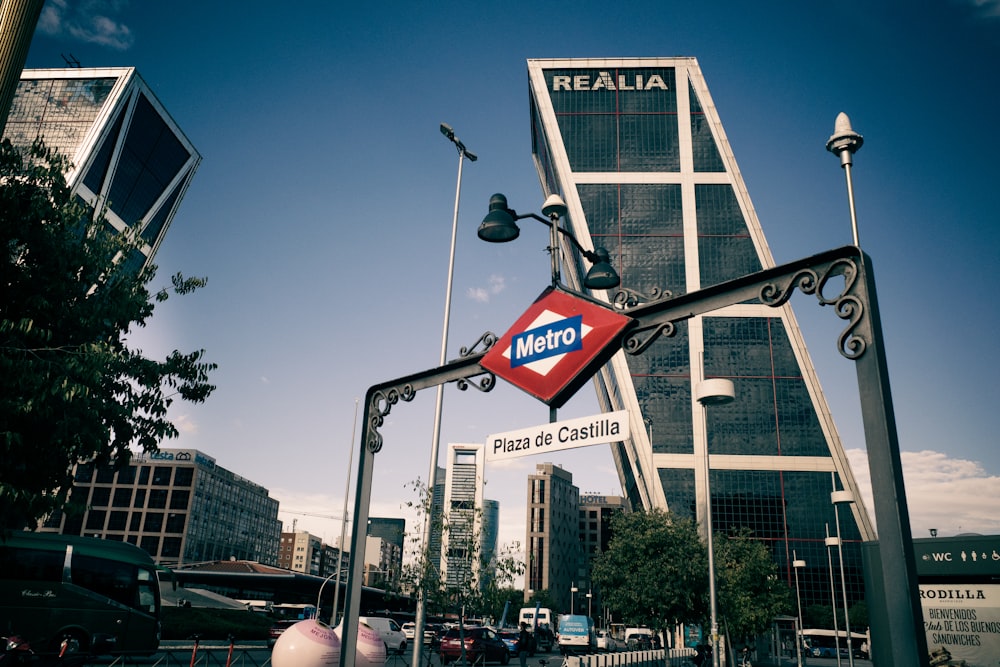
(127, 152)
(554, 553)
(636, 149)
(461, 541)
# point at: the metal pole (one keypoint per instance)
(796, 565)
(843, 581)
(343, 523)
(833, 592)
(711, 563)
(420, 617)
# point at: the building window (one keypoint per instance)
(140, 498)
(117, 520)
(158, 498)
(154, 522)
(95, 520)
(183, 476)
(135, 522)
(179, 500)
(123, 497)
(161, 476)
(100, 496)
(144, 475)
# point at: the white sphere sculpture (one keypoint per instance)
(308, 643)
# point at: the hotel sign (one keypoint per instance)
(582, 432)
(556, 346)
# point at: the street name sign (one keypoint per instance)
(556, 345)
(580, 432)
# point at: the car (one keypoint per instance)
(430, 634)
(606, 642)
(390, 632)
(481, 645)
(511, 638)
(275, 631)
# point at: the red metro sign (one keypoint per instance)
(556, 346)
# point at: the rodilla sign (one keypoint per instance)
(556, 345)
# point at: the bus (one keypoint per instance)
(821, 643)
(65, 593)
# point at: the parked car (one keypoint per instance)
(390, 632)
(481, 644)
(606, 642)
(275, 631)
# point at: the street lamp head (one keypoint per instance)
(601, 275)
(470, 156)
(838, 497)
(717, 391)
(844, 142)
(554, 206)
(447, 131)
(799, 564)
(498, 226)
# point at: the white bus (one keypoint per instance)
(823, 643)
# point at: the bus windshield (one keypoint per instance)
(100, 593)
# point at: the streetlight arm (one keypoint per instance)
(591, 256)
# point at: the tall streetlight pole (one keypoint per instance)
(837, 497)
(830, 543)
(572, 598)
(716, 391)
(421, 611)
(798, 565)
(343, 523)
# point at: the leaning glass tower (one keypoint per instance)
(129, 158)
(637, 150)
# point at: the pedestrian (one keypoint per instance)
(523, 645)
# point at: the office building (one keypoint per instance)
(465, 544)
(392, 531)
(178, 505)
(301, 551)
(637, 149)
(129, 158)
(554, 554)
(596, 512)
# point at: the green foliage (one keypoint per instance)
(750, 594)
(655, 570)
(477, 595)
(71, 389)
(182, 623)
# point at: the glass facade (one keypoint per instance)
(128, 156)
(637, 150)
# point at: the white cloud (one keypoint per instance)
(495, 285)
(950, 495)
(88, 21)
(185, 424)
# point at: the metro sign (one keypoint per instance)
(556, 346)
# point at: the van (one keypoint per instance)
(576, 635)
(390, 632)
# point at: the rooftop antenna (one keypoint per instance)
(71, 61)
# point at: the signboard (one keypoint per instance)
(962, 622)
(569, 434)
(556, 345)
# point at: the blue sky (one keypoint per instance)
(322, 212)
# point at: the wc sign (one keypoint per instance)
(556, 346)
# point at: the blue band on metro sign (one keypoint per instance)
(548, 340)
(556, 345)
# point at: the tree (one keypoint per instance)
(71, 389)
(483, 584)
(655, 570)
(750, 593)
